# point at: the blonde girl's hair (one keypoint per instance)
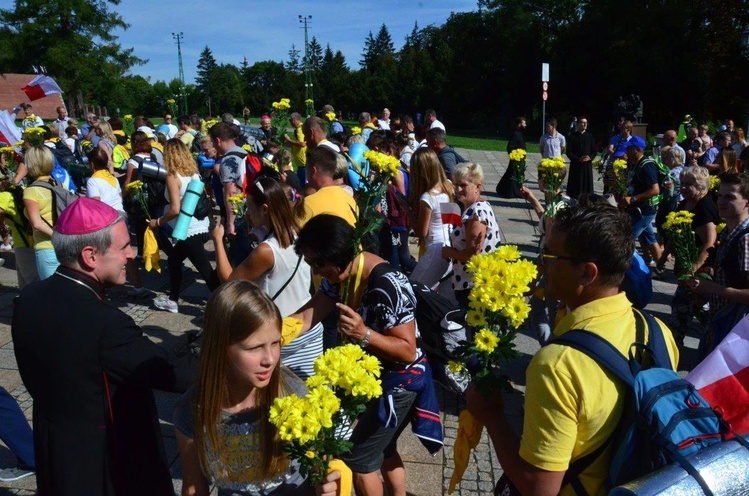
(105, 130)
(234, 312)
(426, 173)
(178, 160)
(268, 191)
(728, 161)
(39, 160)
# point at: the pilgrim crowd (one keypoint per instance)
(284, 212)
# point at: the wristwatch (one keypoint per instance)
(365, 340)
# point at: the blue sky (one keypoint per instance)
(264, 30)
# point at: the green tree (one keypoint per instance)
(315, 55)
(72, 39)
(293, 65)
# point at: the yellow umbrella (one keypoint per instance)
(469, 434)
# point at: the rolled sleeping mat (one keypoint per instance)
(356, 154)
(152, 170)
(187, 208)
(724, 467)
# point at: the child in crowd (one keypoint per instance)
(223, 432)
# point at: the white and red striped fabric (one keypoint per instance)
(450, 214)
(41, 86)
(722, 378)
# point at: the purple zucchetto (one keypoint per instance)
(85, 216)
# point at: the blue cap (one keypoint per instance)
(637, 142)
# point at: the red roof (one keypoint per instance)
(11, 95)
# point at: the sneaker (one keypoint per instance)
(4, 247)
(2, 262)
(165, 303)
(15, 473)
(659, 272)
(137, 292)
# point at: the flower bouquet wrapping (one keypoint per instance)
(313, 426)
(517, 156)
(497, 307)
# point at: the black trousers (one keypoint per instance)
(193, 249)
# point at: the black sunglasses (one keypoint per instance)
(548, 256)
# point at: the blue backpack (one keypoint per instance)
(664, 418)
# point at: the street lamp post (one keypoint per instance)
(182, 96)
(308, 90)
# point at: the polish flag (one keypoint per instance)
(723, 377)
(450, 214)
(41, 86)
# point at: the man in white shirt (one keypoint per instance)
(552, 143)
(384, 123)
(431, 119)
(62, 120)
(172, 128)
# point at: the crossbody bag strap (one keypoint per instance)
(298, 262)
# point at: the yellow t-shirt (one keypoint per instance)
(572, 405)
(8, 206)
(298, 153)
(330, 200)
(43, 198)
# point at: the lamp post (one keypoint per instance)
(309, 96)
(182, 96)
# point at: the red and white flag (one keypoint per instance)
(450, 214)
(41, 86)
(722, 378)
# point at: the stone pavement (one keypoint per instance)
(426, 475)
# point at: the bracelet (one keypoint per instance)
(158, 222)
(364, 342)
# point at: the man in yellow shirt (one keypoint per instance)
(330, 198)
(298, 148)
(572, 405)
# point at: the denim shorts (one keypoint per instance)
(644, 226)
(372, 441)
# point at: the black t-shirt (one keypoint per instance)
(704, 212)
(645, 176)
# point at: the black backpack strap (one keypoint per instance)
(656, 342)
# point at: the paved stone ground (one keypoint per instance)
(426, 475)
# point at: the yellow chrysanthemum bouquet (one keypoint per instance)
(620, 179)
(552, 172)
(714, 185)
(497, 308)
(135, 190)
(34, 136)
(346, 379)
(10, 158)
(280, 119)
(517, 156)
(678, 226)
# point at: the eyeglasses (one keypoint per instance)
(314, 263)
(548, 256)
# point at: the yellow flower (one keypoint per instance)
(355, 130)
(171, 101)
(714, 183)
(330, 116)
(309, 454)
(719, 228)
(517, 155)
(383, 163)
(34, 130)
(134, 186)
(619, 166)
(485, 341)
(210, 123)
(455, 367)
(309, 101)
(283, 104)
(128, 117)
(475, 318)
